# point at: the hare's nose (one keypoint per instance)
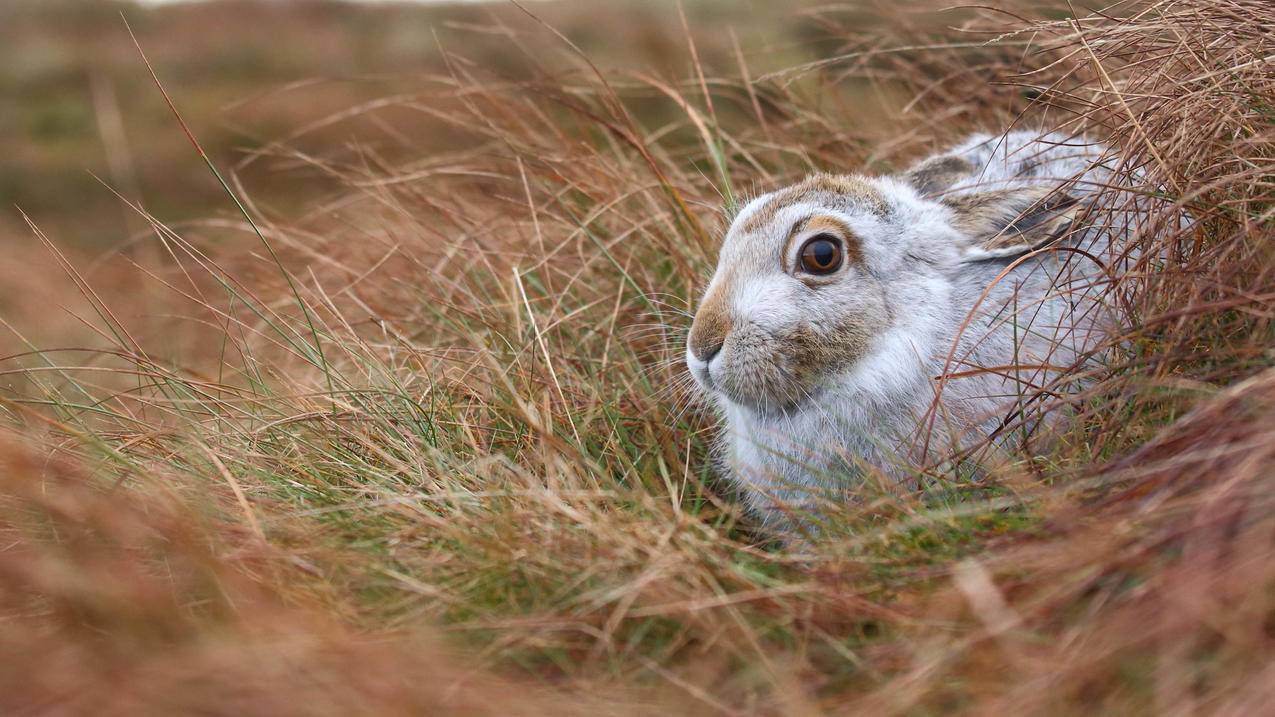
(711, 326)
(708, 335)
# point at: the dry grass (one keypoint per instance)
(423, 454)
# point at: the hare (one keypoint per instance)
(857, 322)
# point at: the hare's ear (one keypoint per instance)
(1008, 223)
(938, 174)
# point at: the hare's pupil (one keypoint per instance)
(824, 253)
(821, 255)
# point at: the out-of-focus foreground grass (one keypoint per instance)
(405, 434)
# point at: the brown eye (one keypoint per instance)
(821, 254)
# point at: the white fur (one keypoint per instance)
(919, 268)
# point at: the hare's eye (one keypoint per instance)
(821, 254)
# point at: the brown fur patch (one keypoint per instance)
(712, 322)
(843, 185)
(817, 353)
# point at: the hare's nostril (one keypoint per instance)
(706, 352)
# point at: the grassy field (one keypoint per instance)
(389, 419)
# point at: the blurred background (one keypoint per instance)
(81, 114)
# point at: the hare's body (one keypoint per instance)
(818, 373)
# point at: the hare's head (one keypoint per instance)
(812, 277)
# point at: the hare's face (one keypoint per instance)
(794, 301)
(811, 277)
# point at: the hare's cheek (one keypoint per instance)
(766, 304)
(809, 353)
(851, 341)
(818, 354)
